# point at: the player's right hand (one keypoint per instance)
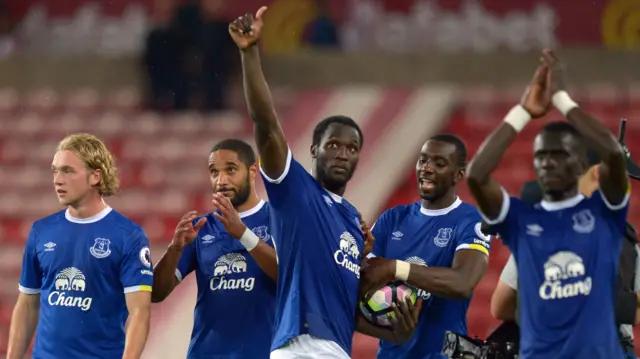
(537, 97)
(186, 232)
(245, 30)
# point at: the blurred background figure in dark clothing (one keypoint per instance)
(8, 42)
(322, 32)
(187, 57)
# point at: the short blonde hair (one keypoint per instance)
(96, 156)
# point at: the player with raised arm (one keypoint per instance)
(316, 232)
(86, 272)
(231, 252)
(568, 245)
(435, 245)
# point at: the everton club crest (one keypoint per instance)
(100, 248)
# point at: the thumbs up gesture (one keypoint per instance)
(245, 30)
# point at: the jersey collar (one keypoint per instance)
(335, 197)
(253, 210)
(441, 211)
(564, 204)
(92, 219)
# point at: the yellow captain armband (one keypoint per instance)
(474, 246)
(138, 288)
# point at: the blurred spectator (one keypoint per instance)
(8, 42)
(187, 56)
(322, 31)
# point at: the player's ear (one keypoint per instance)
(314, 151)
(95, 177)
(459, 176)
(253, 171)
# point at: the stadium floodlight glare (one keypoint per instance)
(632, 168)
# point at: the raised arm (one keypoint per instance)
(488, 192)
(270, 140)
(613, 176)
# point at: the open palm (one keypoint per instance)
(245, 30)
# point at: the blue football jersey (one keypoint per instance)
(319, 244)
(233, 317)
(567, 254)
(82, 269)
(431, 238)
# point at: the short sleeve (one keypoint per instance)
(284, 187)
(471, 237)
(187, 262)
(509, 275)
(136, 269)
(506, 224)
(618, 213)
(31, 276)
(381, 231)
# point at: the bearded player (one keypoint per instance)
(317, 233)
(435, 245)
(566, 247)
(230, 251)
(86, 272)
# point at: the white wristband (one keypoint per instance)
(518, 117)
(402, 270)
(563, 102)
(249, 240)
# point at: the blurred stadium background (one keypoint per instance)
(405, 69)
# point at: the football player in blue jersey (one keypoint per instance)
(231, 252)
(317, 233)
(435, 245)
(86, 272)
(566, 247)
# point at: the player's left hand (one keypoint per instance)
(405, 319)
(558, 75)
(228, 216)
(376, 274)
(537, 97)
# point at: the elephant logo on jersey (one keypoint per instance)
(100, 248)
(262, 232)
(564, 277)
(69, 280)
(443, 237)
(583, 221)
(348, 253)
(348, 245)
(421, 262)
(230, 264)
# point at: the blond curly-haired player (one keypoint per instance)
(86, 272)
